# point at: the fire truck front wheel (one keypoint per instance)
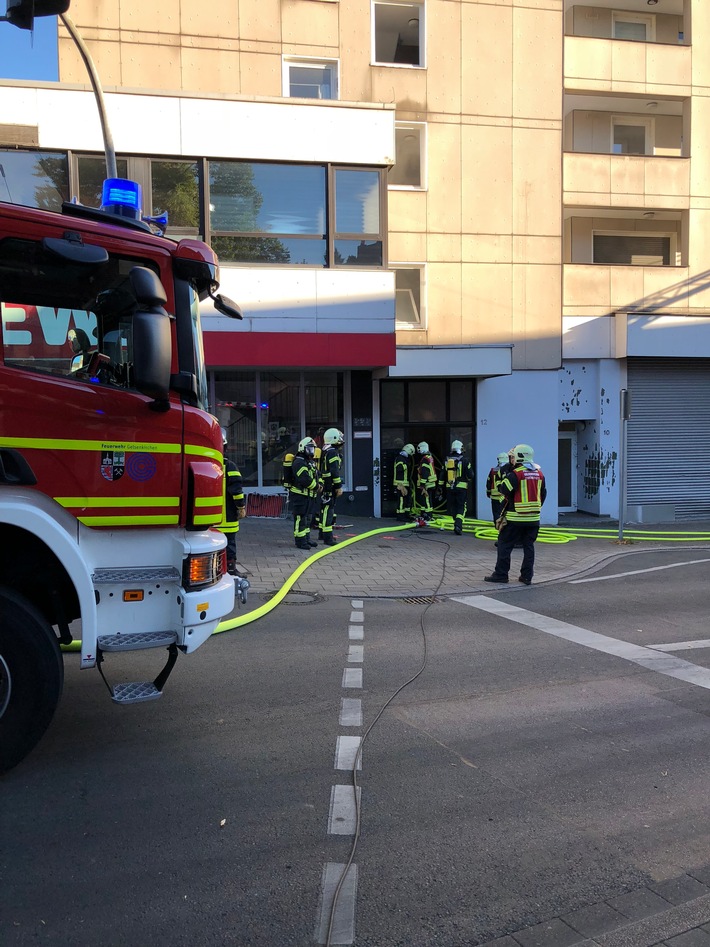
(31, 677)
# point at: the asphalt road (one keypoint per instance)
(536, 767)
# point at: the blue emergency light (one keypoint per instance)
(122, 197)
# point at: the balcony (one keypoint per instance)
(623, 67)
(601, 290)
(617, 181)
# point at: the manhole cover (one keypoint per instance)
(301, 598)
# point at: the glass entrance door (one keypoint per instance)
(567, 471)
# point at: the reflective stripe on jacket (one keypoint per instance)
(426, 472)
(525, 491)
(401, 471)
(495, 475)
(304, 475)
(233, 498)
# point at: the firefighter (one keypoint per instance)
(305, 488)
(330, 469)
(495, 475)
(524, 492)
(456, 476)
(402, 482)
(233, 506)
(425, 480)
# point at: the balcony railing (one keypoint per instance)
(622, 67)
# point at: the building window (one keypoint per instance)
(358, 239)
(408, 169)
(175, 190)
(310, 78)
(398, 33)
(34, 178)
(633, 26)
(634, 249)
(408, 297)
(307, 215)
(631, 135)
(268, 213)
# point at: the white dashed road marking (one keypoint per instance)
(352, 677)
(342, 818)
(344, 920)
(652, 660)
(356, 617)
(356, 654)
(350, 712)
(356, 632)
(345, 751)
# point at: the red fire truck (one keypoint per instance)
(111, 474)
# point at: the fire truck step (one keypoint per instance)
(137, 642)
(141, 574)
(135, 691)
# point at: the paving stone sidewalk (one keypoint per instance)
(418, 561)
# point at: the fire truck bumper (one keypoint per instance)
(204, 610)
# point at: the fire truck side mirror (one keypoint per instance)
(152, 339)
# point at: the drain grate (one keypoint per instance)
(420, 600)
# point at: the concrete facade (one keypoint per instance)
(563, 190)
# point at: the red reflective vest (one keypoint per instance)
(525, 491)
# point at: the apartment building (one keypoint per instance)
(442, 219)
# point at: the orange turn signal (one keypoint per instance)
(133, 595)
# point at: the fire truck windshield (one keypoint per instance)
(66, 318)
(199, 352)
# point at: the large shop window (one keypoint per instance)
(279, 213)
(267, 413)
(34, 178)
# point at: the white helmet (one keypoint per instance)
(224, 436)
(523, 454)
(456, 447)
(423, 447)
(503, 458)
(307, 446)
(333, 436)
(408, 449)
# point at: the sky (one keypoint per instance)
(26, 55)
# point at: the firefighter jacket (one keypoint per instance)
(305, 478)
(402, 469)
(426, 472)
(233, 498)
(495, 475)
(330, 470)
(457, 472)
(524, 492)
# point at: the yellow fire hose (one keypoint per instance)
(481, 529)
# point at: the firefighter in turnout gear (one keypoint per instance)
(305, 490)
(456, 476)
(425, 480)
(524, 492)
(233, 506)
(331, 462)
(495, 475)
(402, 482)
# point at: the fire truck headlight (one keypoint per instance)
(202, 570)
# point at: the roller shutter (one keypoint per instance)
(669, 436)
